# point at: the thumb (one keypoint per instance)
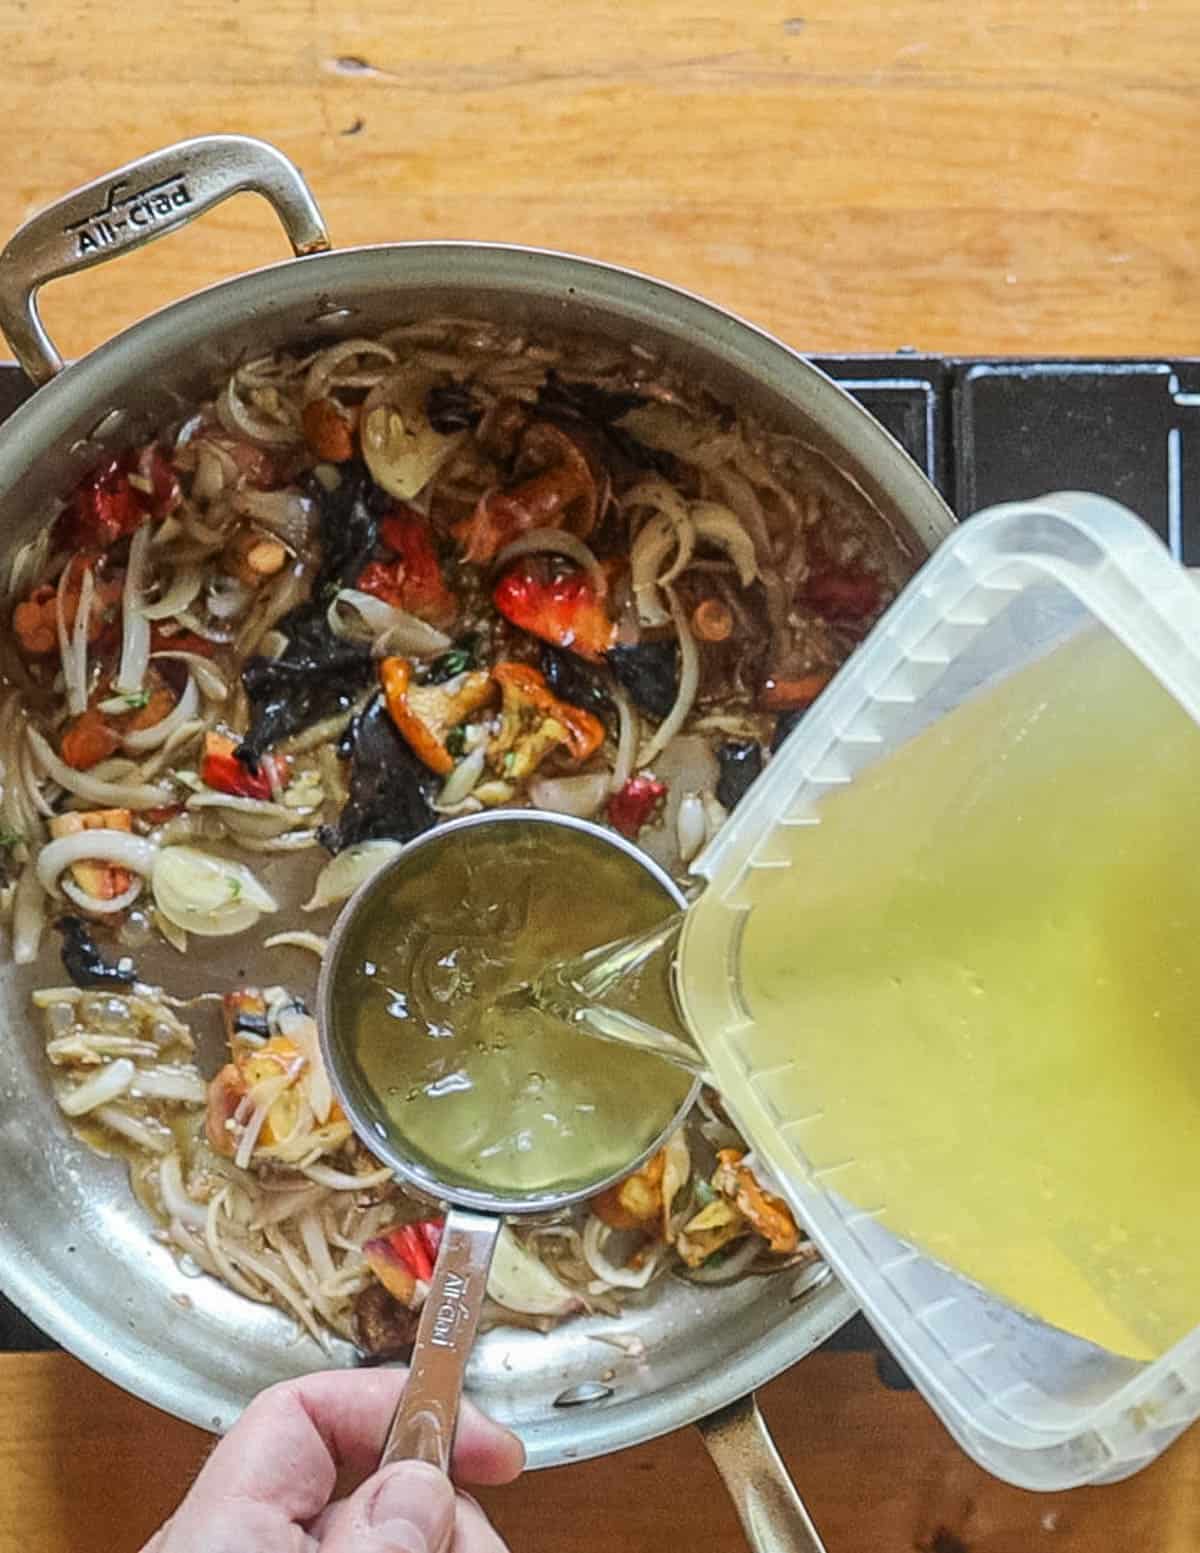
(407, 1508)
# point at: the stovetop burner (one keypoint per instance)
(984, 431)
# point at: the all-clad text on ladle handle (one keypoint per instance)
(134, 205)
(423, 1426)
(770, 1510)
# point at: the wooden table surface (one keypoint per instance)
(990, 176)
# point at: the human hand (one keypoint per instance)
(268, 1486)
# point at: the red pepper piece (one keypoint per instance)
(563, 609)
(410, 1245)
(843, 595)
(411, 578)
(224, 773)
(108, 505)
(632, 807)
(104, 508)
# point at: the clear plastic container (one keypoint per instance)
(1031, 1403)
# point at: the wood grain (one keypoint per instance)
(877, 1471)
(1002, 176)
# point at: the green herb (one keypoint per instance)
(456, 741)
(12, 838)
(135, 700)
(458, 659)
(235, 888)
(510, 761)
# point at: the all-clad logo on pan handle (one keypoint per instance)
(129, 213)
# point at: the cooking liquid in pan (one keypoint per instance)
(973, 1000)
(496, 1093)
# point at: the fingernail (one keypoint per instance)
(413, 1508)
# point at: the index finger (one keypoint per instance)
(291, 1442)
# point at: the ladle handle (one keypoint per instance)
(423, 1426)
(770, 1510)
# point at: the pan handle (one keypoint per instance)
(123, 210)
(422, 1428)
(770, 1510)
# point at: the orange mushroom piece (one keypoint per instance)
(558, 489)
(425, 714)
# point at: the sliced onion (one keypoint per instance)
(101, 1088)
(177, 1084)
(135, 627)
(400, 447)
(178, 740)
(74, 660)
(595, 1235)
(236, 416)
(719, 525)
(211, 683)
(256, 808)
(689, 681)
(556, 541)
(322, 371)
(206, 895)
(316, 1246)
(175, 1199)
(314, 943)
(463, 779)
(520, 1281)
(340, 877)
(581, 796)
(185, 585)
(286, 514)
(152, 1139)
(301, 1029)
(221, 636)
(29, 916)
(691, 827)
(627, 740)
(360, 617)
(143, 739)
(95, 846)
(652, 546)
(95, 905)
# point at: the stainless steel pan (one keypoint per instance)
(75, 1250)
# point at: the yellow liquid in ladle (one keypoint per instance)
(489, 1092)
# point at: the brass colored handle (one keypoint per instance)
(423, 1426)
(139, 202)
(770, 1510)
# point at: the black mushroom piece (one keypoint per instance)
(390, 790)
(84, 963)
(317, 675)
(383, 1328)
(784, 724)
(562, 400)
(740, 760)
(573, 680)
(452, 407)
(649, 671)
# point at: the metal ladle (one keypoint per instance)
(423, 1426)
